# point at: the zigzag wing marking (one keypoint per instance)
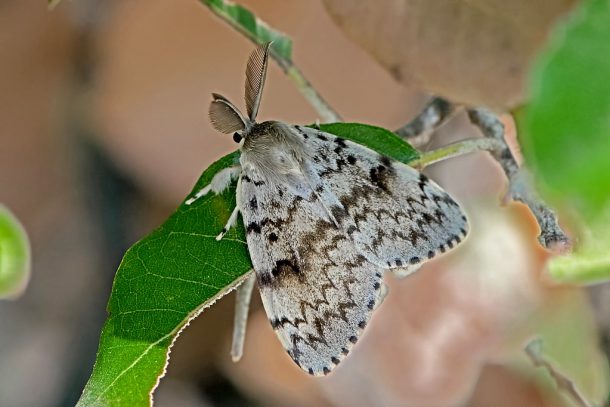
(317, 290)
(398, 217)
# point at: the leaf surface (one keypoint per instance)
(565, 136)
(14, 256)
(254, 28)
(475, 52)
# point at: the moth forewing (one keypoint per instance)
(256, 72)
(397, 217)
(324, 218)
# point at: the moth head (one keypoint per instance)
(225, 116)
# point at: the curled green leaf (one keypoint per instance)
(257, 30)
(590, 261)
(14, 256)
(565, 133)
(565, 128)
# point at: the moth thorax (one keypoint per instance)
(266, 135)
(273, 149)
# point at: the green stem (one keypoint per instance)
(326, 112)
(454, 150)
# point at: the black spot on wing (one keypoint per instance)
(381, 176)
(385, 160)
(285, 267)
(264, 279)
(253, 227)
(246, 178)
(340, 142)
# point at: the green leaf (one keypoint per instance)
(253, 27)
(14, 255)
(565, 135)
(570, 341)
(376, 138)
(565, 129)
(590, 261)
(170, 276)
(165, 280)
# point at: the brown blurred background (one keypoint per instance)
(103, 131)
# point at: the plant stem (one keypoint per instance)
(419, 130)
(534, 351)
(436, 112)
(454, 150)
(325, 111)
(327, 114)
(519, 185)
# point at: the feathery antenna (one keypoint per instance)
(225, 117)
(256, 71)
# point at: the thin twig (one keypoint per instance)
(419, 130)
(454, 150)
(534, 350)
(519, 187)
(326, 112)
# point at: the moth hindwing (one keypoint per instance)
(324, 218)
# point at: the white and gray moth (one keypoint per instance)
(324, 217)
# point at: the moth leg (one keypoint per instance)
(419, 130)
(219, 183)
(230, 223)
(243, 295)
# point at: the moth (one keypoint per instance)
(325, 218)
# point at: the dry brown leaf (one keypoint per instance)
(475, 52)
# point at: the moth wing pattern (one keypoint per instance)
(324, 218)
(398, 217)
(317, 290)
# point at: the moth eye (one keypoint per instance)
(236, 137)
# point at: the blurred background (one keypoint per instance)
(104, 131)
